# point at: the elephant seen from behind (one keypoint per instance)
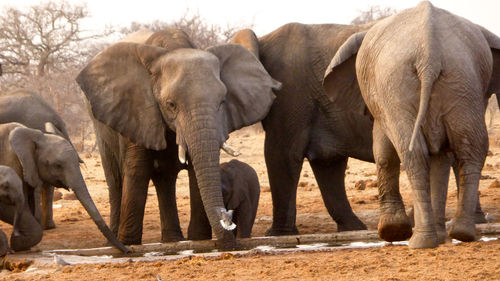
(427, 93)
(163, 105)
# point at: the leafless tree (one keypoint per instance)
(202, 33)
(373, 13)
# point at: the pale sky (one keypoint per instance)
(266, 15)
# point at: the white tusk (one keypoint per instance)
(229, 150)
(182, 154)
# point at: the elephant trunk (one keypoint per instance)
(83, 196)
(204, 150)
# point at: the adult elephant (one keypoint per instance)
(302, 123)
(30, 109)
(160, 105)
(39, 159)
(428, 95)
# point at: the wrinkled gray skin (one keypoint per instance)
(12, 198)
(427, 93)
(241, 191)
(39, 159)
(166, 97)
(31, 110)
(302, 123)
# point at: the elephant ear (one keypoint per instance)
(340, 76)
(249, 86)
(247, 39)
(494, 42)
(117, 84)
(23, 141)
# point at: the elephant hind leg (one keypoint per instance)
(439, 177)
(394, 224)
(330, 177)
(470, 150)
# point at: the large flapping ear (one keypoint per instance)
(247, 39)
(340, 75)
(170, 39)
(23, 141)
(494, 42)
(118, 86)
(249, 86)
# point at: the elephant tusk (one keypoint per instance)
(182, 154)
(229, 150)
(227, 226)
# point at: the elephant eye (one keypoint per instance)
(171, 105)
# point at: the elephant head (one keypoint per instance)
(202, 95)
(11, 193)
(51, 159)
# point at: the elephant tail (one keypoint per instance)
(428, 68)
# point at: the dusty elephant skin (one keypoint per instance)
(162, 104)
(40, 159)
(12, 200)
(302, 123)
(14, 107)
(428, 93)
(240, 191)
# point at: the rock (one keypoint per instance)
(57, 195)
(495, 184)
(360, 185)
(70, 196)
(371, 183)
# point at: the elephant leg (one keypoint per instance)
(479, 216)
(169, 215)
(137, 173)
(245, 218)
(4, 244)
(394, 224)
(30, 230)
(330, 177)
(47, 201)
(114, 181)
(471, 150)
(439, 177)
(199, 226)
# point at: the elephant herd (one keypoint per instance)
(410, 89)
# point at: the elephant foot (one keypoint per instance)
(463, 229)
(353, 223)
(394, 227)
(479, 217)
(228, 242)
(49, 225)
(441, 234)
(423, 240)
(274, 231)
(172, 237)
(130, 241)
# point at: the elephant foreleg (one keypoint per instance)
(439, 177)
(169, 215)
(244, 219)
(284, 173)
(47, 201)
(199, 226)
(137, 173)
(394, 224)
(330, 177)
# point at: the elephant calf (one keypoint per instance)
(240, 191)
(12, 199)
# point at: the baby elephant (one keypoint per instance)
(241, 191)
(11, 197)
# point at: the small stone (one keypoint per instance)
(360, 185)
(57, 195)
(495, 184)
